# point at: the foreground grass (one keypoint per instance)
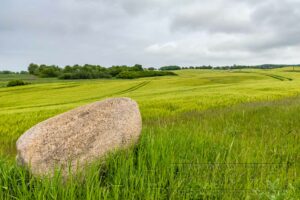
(206, 135)
(247, 151)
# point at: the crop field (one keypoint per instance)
(207, 134)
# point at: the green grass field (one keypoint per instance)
(207, 134)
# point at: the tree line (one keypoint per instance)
(11, 72)
(88, 71)
(264, 66)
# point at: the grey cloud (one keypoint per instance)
(255, 25)
(213, 17)
(150, 32)
(210, 23)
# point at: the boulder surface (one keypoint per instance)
(80, 136)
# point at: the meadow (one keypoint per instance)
(207, 134)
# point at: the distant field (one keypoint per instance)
(206, 134)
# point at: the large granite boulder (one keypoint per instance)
(80, 136)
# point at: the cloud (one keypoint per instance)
(167, 48)
(150, 32)
(213, 17)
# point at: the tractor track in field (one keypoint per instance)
(134, 88)
(281, 78)
(278, 77)
(131, 89)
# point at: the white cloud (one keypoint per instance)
(168, 47)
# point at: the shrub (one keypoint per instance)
(6, 72)
(13, 83)
(23, 72)
(127, 75)
(171, 67)
(140, 74)
(85, 75)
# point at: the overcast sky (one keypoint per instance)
(149, 32)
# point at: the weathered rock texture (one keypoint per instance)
(80, 136)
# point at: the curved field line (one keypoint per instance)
(278, 77)
(282, 78)
(131, 89)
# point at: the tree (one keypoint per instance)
(49, 71)
(33, 68)
(137, 67)
(23, 72)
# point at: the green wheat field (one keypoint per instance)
(207, 134)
